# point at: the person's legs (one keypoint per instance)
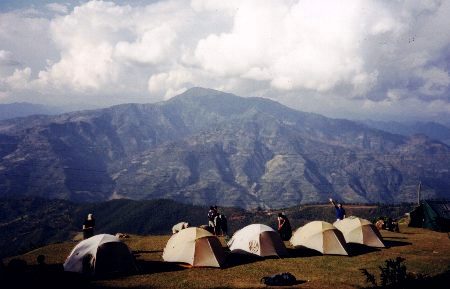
(89, 232)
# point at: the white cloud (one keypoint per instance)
(25, 35)
(57, 7)
(7, 59)
(300, 46)
(436, 81)
(317, 55)
(364, 82)
(229, 6)
(3, 95)
(86, 67)
(170, 83)
(19, 80)
(111, 49)
(152, 47)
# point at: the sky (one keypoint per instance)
(383, 60)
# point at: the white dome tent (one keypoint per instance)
(320, 236)
(100, 254)
(257, 239)
(194, 246)
(360, 231)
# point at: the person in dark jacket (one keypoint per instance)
(340, 211)
(212, 214)
(221, 225)
(88, 227)
(284, 227)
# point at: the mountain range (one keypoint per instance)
(431, 129)
(209, 147)
(22, 109)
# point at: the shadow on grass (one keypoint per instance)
(50, 277)
(394, 243)
(150, 267)
(299, 282)
(302, 252)
(296, 283)
(101, 286)
(19, 275)
(236, 258)
(354, 249)
(400, 238)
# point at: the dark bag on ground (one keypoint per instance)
(282, 279)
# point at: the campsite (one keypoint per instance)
(152, 144)
(426, 253)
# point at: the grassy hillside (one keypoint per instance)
(33, 222)
(29, 223)
(426, 252)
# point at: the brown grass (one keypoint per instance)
(425, 251)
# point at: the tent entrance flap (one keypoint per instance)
(114, 257)
(271, 244)
(333, 243)
(204, 254)
(372, 236)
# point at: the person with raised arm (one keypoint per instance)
(340, 211)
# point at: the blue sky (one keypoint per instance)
(367, 59)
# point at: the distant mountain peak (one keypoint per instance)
(200, 91)
(23, 109)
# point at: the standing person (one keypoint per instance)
(212, 213)
(88, 226)
(340, 211)
(284, 227)
(217, 224)
(221, 225)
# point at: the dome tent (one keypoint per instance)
(320, 236)
(360, 231)
(257, 239)
(431, 214)
(100, 254)
(194, 246)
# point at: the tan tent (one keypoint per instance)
(360, 231)
(257, 239)
(100, 254)
(196, 247)
(320, 236)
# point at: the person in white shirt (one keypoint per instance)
(180, 226)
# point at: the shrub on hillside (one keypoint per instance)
(394, 275)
